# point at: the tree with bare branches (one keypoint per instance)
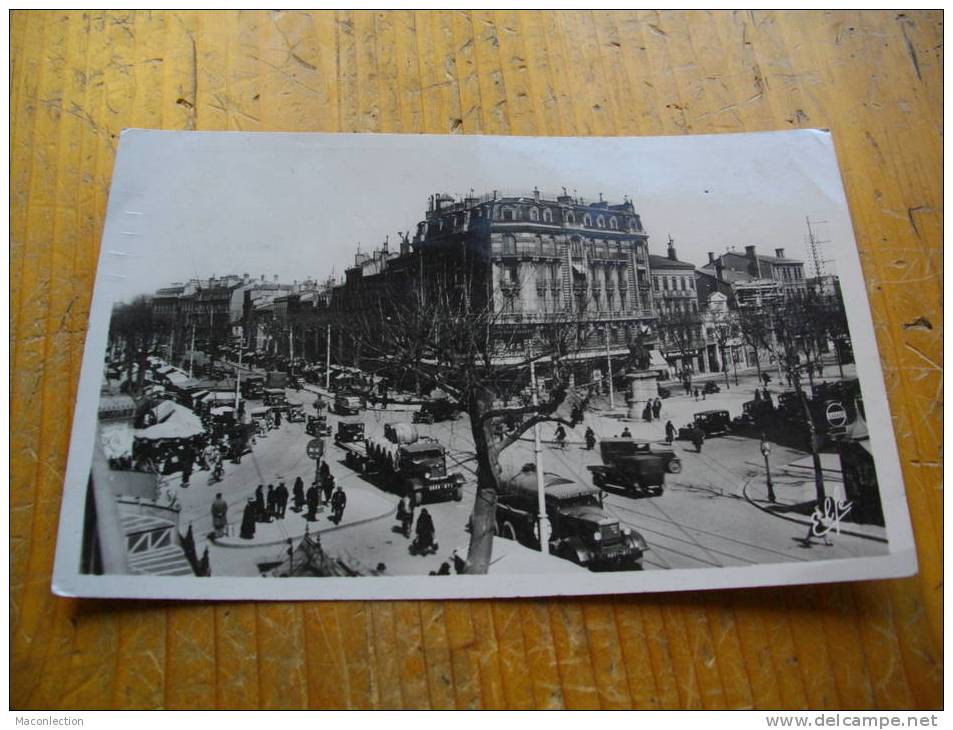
(472, 343)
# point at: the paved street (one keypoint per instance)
(714, 513)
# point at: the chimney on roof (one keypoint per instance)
(779, 252)
(536, 192)
(711, 257)
(386, 242)
(749, 252)
(719, 270)
(245, 279)
(671, 248)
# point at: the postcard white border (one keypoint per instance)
(900, 561)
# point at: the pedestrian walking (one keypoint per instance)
(669, 432)
(249, 517)
(327, 486)
(298, 492)
(405, 515)
(277, 418)
(281, 500)
(757, 395)
(261, 514)
(766, 377)
(219, 515)
(425, 533)
(647, 412)
(241, 409)
(188, 457)
(696, 393)
(561, 437)
(767, 398)
(657, 408)
(590, 438)
(312, 499)
(698, 438)
(272, 502)
(324, 472)
(338, 503)
(459, 563)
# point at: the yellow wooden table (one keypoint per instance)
(77, 79)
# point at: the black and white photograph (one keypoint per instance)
(382, 366)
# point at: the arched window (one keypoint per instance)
(570, 218)
(509, 214)
(587, 220)
(613, 223)
(534, 214)
(509, 246)
(601, 222)
(547, 215)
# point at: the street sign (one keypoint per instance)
(836, 415)
(315, 449)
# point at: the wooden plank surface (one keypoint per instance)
(79, 78)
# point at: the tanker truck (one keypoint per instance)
(403, 462)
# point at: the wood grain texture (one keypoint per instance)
(78, 79)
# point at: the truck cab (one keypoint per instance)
(253, 387)
(638, 466)
(582, 531)
(348, 404)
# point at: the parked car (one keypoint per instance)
(633, 465)
(711, 387)
(349, 432)
(712, 423)
(317, 426)
(275, 397)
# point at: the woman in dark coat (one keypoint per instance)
(670, 432)
(248, 520)
(425, 530)
(298, 492)
(327, 486)
(271, 500)
(312, 498)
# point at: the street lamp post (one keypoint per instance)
(609, 370)
(766, 451)
(540, 482)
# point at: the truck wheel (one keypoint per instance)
(508, 531)
(674, 466)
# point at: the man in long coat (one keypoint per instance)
(312, 498)
(338, 503)
(425, 530)
(298, 491)
(281, 500)
(272, 502)
(219, 515)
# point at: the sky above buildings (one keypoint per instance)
(193, 205)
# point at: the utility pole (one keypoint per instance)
(609, 371)
(238, 376)
(192, 349)
(540, 482)
(327, 374)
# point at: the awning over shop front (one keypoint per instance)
(174, 422)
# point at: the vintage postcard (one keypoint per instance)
(410, 366)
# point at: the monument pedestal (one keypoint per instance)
(642, 387)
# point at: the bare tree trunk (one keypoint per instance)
(483, 520)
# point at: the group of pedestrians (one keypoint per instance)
(652, 410)
(424, 532)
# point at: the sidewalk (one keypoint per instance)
(363, 505)
(796, 501)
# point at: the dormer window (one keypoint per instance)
(613, 223)
(601, 222)
(547, 215)
(534, 214)
(587, 220)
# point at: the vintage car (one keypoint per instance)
(711, 387)
(295, 413)
(712, 423)
(753, 412)
(260, 418)
(275, 398)
(348, 404)
(581, 530)
(636, 466)
(437, 410)
(349, 431)
(317, 426)
(253, 387)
